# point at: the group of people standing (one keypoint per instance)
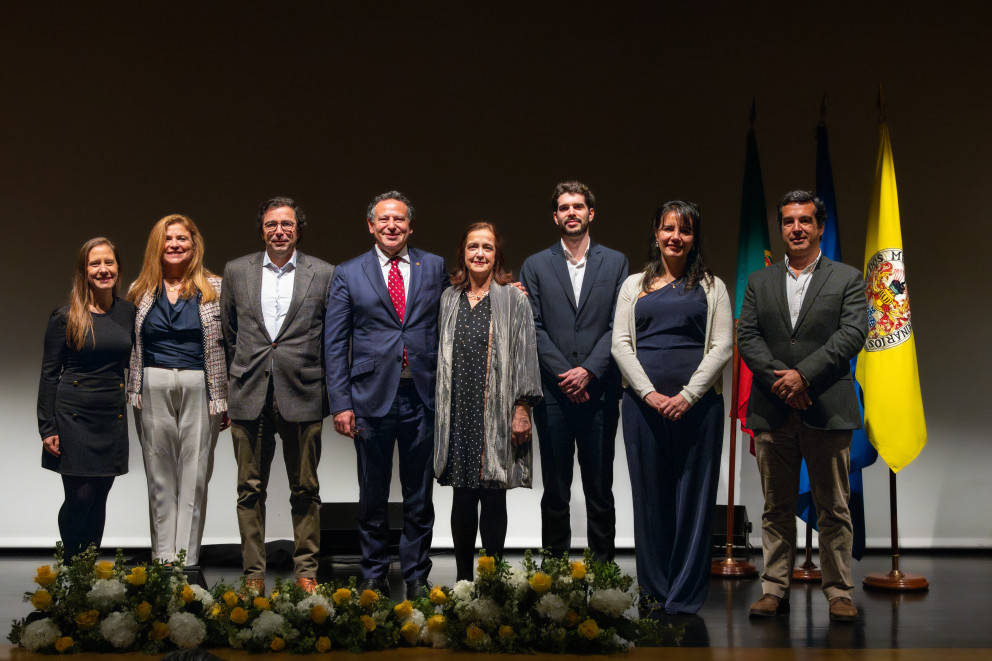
(451, 368)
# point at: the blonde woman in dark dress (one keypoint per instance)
(82, 415)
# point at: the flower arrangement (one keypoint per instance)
(561, 605)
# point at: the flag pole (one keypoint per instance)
(728, 567)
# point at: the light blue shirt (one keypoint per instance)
(796, 286)
(277, 292)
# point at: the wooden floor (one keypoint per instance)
(952, 621)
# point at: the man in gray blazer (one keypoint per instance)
(272, 313)
(573, 287)
(801, 322)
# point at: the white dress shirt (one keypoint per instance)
(796, 286)
(576, 267)
(277, 292)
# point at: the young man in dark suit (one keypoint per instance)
(801, 322)
(380, 347)
(573, 288)
(272, 315)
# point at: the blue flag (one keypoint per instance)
(863, 453)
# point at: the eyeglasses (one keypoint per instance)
(272, 225)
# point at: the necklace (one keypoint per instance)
(175, 287)
(477, 297)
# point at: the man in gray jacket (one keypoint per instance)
(272, 313)
(801, 322)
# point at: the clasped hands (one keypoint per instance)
(791, 387)
(574, 382)
(672, 408)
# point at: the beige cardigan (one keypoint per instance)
(716, 353)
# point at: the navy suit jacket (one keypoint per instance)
(364, 339)
(570, 334)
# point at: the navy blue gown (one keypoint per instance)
(674, 466)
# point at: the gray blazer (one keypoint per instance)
(294, 359)
(830, 330)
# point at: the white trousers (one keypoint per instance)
(177, 435)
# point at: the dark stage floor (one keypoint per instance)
(953, 613)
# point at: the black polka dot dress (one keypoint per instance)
(468, 394)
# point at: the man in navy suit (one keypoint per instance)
(380, 346)
(573, 287)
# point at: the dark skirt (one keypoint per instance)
(91, 415)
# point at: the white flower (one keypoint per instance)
(380, 617)
(518, 579)
(38, 634)
(483, 610)
(416, 617)
(106, 592)
(611, 601)
(435, 639)
(266, 625)
(203, 597)
(462, 590)
(552, 607)
(243, 636)
(186, 630)
(119, 629)
(566, 580)
(306, 605)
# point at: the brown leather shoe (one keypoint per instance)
(769, 605)
(256, 586)
(308, 584)
(843, 609)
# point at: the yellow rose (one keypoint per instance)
(403, 610)
(438, 596)
(571, 618)
(104, 569)
(216, 611)
(487, 564)
(277, 644)
(239, 615)
(138, 576)
(474, 634)
(41, 599)
(64, 643)
(506, 632)
(323, 644)
(578, 570)
(87, 619)
(540, 582)
(368, 623)
(230, 599)
(318, 614)
(45, 576)
(261, 603)
(368, 598)
(159, 631)
(187, 594)
(435, 623)
(589, 629)
(142, 611)
(341, 594)
(410, 632)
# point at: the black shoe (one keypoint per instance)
(417, 588)
(380, 585)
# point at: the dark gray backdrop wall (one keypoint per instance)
(114, 114)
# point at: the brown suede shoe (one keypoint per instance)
(255, 587)
(308, 584)
(843, 609)
(769, 605)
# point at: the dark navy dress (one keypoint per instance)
(674, 465)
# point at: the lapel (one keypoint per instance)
(416, 278)
(780, 297)
(253, 281)
(560, 268)
(373, 271)
(820, 275)
(593, 262)
(301, 283)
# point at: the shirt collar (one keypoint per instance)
(269, 264)
(571, 258)
(384, 259)
(809, 269)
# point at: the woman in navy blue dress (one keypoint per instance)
(672, 337)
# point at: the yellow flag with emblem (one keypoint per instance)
(887, 368)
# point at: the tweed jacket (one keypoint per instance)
(829, 331)
(513, 375)
(293, 360)
(215, 366)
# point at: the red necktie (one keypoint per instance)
(395, 286)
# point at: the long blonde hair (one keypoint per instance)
(79, 324)
(195, 278)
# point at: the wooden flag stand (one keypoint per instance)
(808, 571)
(728, 567)
(895, 579)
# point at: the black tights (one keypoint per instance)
(84, 512)
(465, 521)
